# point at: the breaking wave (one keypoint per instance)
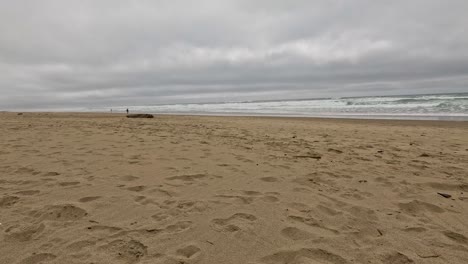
(441, 106)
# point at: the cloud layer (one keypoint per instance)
(114, 52)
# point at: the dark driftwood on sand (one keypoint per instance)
(140, 116)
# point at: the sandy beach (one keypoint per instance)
(101, 188)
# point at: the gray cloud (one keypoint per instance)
(99, 53)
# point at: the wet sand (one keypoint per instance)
(101, 188)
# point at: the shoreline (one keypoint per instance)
(298, 118)
(451, 106)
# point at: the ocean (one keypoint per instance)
(413, 107)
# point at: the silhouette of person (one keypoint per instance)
(127, 111)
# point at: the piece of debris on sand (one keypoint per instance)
(140, 116)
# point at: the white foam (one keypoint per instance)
(436, 106)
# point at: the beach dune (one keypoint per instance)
(101, 188)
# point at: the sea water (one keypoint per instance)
(430, 107)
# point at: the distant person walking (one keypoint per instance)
(127, 111)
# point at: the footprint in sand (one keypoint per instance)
(67, 212)
(159, 217)
(269, 179)
(239, 198)
(295, 233)
(363, 213)
(233, 223)
(396, 257)
(178, 227)
(189, 252)
(23, 233)
(7, 201)
(191, 178)
(416, 207)
(162, 192)
(103, 229)
(143, 200)
(24, 170)
(188, 206)
(171, 229)
(314, 224)
(356, 194)
(459, 238)
(328, 210)
(38, 258)
(304, 255)
(129, 178)
(28, 192)
(51, 173)
(128, 251)
(68, 183)
(270, 199)
(248, 197)
(415, 229)
(251, 193)
(80, 245)
(88, 199)
(136, 188)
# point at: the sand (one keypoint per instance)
(101, 188)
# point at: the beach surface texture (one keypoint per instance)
(103, 188)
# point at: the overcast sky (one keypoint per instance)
(110, 52)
